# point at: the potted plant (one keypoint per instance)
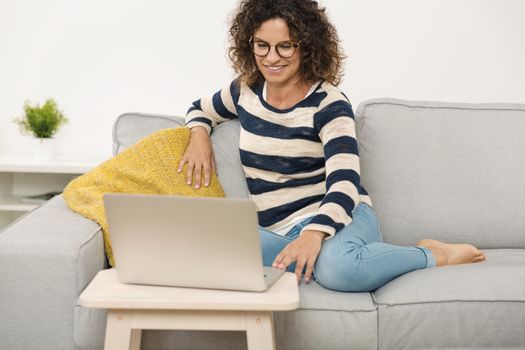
(42, 122)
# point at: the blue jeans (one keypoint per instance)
(356, 259)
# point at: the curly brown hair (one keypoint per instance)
(321, 54)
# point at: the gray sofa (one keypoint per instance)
(450, 171)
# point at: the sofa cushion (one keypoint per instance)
(340, 320)
(131, 127)
(451, 171)
(469, 306)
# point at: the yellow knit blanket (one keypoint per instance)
(147, 167)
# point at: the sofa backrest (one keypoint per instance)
(131, 127)
(451, 171)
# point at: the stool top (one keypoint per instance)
(106, 292)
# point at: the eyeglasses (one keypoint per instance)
(285, 49)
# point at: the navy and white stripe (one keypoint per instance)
(302, 161)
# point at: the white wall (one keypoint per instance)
(101, 58)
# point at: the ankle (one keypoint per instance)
(437, 252)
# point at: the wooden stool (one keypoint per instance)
(132, 308)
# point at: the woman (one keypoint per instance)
(299, 151)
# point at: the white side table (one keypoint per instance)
(132, 308)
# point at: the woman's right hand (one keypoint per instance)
(199, 156)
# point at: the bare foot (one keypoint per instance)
(450, 254)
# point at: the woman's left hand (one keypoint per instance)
(304, 250)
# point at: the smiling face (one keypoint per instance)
(276, 69)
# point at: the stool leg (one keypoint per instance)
(259, 330)
(118, 330)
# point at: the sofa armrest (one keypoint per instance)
(47, 258)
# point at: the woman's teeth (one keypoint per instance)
(275, 68)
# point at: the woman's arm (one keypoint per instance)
(201, 118)
(208, 112)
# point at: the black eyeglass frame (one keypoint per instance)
(295, 45)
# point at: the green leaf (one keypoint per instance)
(41, 122)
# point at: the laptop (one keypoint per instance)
(187, 242)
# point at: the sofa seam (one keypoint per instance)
(77, 283)
(450, 301)
(90, 239)
(377, 325)
(457, 105)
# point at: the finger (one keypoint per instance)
(287, 260)
(278, 260)
(299, 269)
(207, 175)
(197, 175)
(213, 165)
(309, 270)
(181, 163)
(189, 173)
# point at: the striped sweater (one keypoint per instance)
(299, 162)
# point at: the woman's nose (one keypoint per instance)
(273, 56)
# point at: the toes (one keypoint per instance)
(475, 251)
(479, 258)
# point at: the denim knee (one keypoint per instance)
(343, 274)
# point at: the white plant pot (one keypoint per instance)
(43, 149)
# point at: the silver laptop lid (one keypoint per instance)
(185, 242)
